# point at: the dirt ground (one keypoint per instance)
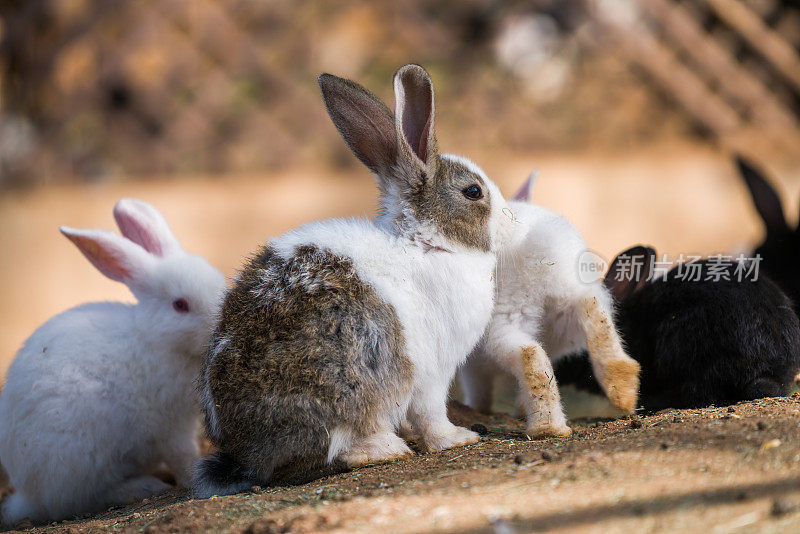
(734, 469)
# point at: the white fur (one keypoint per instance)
(443, 299)
(341, 441)
(540, 302)
(102, 394)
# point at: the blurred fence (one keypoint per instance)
(733, 66)
(101, 88)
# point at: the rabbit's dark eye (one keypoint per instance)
(473, 192)
(180, 305)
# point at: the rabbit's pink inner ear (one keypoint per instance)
(415, 130)
(415, 110)
(104, 257)
(139, 231)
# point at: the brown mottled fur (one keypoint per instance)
(435, 201)
(301, 358)
(542, 393)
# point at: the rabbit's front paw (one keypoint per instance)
(447, 437)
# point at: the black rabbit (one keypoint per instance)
(780, 250)
(723, 334)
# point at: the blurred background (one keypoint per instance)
(210, 110)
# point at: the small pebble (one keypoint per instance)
(547, 456)
(761, 425)
(664, 446)
(782, 507)
(255, 489)
(636, 423)
(479, 429)
(519, 459)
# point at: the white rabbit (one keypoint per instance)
(336, 332)
(544, 310)
(102, 394)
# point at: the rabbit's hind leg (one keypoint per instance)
(525, 358)
(541, 399)
(379, 447)
(617, 373)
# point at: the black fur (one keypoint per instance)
(703, 342)
(576, 369)
(780, 250)
(219, 474)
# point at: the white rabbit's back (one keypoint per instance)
(540, 287)
(552, 248)
(71, 410)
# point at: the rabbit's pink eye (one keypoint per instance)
(180, 305)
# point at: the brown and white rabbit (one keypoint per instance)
(338, 331)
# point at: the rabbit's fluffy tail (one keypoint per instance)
(220, 474)
(576, 369)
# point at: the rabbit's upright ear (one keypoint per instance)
(144, 225)
(364, 122)
(414, 111)
(766, 200)
(630, 271)
(114, 256)
(523, 194)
